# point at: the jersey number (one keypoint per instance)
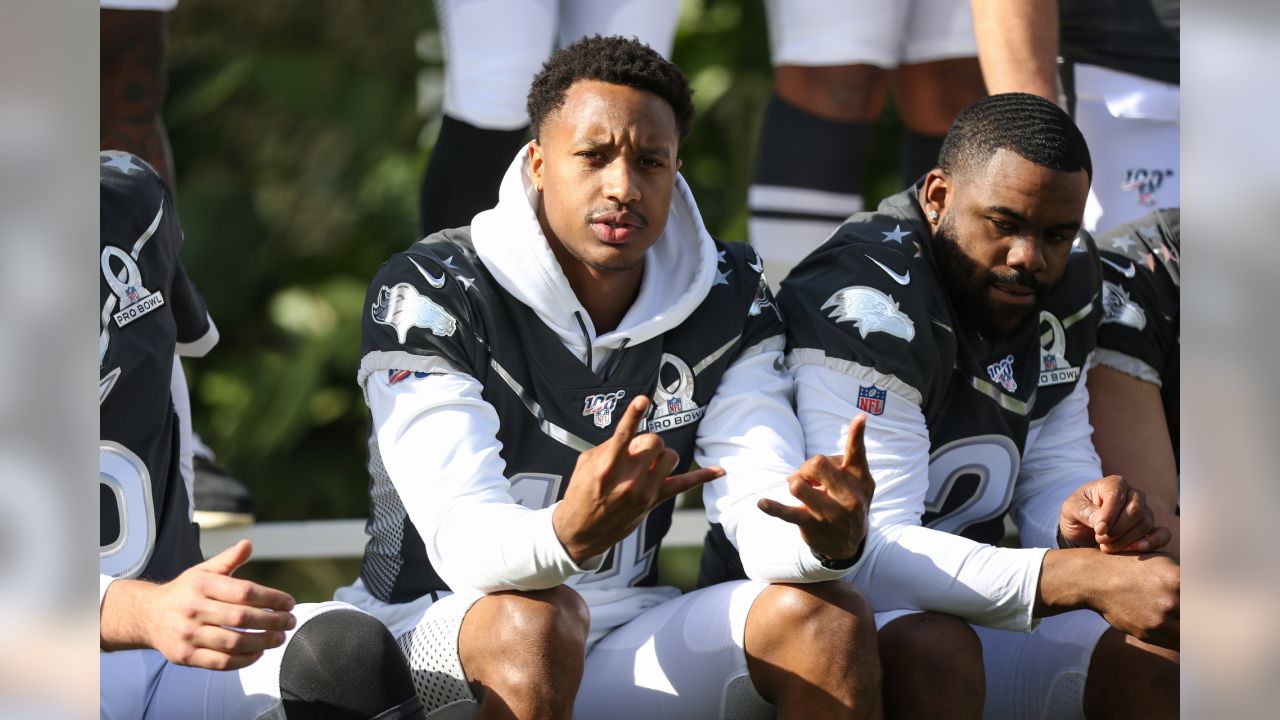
(970, 481)
(124, 486)
(629, 557)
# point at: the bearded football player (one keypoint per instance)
(541, 382)
(960, 317)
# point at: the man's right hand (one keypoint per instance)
(189, 619)
(616, 484)
(1142, 597)
(1137, 594)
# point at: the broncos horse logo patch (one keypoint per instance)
(403, 307)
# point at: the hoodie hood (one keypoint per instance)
(510, 243)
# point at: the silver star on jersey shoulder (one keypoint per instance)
(466, 281)
(1122, 243)
(722, 278)
(121, 162)
(895, 235)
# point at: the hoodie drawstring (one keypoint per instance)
(585, 336)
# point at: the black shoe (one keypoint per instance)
(221, 500)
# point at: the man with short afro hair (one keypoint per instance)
(614, 60)
(541, 383)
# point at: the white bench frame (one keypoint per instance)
(311, 539)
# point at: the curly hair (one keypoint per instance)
(613, 59)
(1026, 124)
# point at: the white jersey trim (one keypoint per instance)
(1128, 365)
(810, 356)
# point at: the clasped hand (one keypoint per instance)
(1112, 516)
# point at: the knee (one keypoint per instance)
(930, 95)
(557, 618)
(845, 93)
(830, 614)
(818, 638)
(344, 663)
(930, 646)
(1129, 677)
(517, 643)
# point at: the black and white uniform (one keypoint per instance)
(1139, 334)
(486, 379)
(961, 431)
(150, 314)
(1121, 73)
(493, 48)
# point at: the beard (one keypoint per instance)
(968, 284)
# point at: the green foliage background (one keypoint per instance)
(300, 129)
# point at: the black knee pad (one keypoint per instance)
(919, 155)
(464, 173)
(345, 664)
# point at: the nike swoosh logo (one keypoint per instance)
(1127, 272)
(902, 279)
(436, 283)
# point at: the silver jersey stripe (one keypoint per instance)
(553, 431)
(1008, 402)
(1080, 314)
(146, 234)
(710, 359)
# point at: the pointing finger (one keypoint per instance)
(677, 484)
(855, 451)
(794, 515)
(630, 421)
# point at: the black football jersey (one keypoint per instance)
(437, 300)
(1139, 333)
(148, 309)
(872, 296)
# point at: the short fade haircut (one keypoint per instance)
(613, 59)
(1028, 125)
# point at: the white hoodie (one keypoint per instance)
(438, 437)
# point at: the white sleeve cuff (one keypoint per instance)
(532, 543)
(104, 582)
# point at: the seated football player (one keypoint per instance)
(181, 637)
(1133, 384)
(960, 316)
(541, 382)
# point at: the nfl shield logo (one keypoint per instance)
(674, 405)
(871, 399)
(132, 294)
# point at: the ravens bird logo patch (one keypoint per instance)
(870, 311)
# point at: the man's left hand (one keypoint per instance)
(835, 493)
(1112, 516)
